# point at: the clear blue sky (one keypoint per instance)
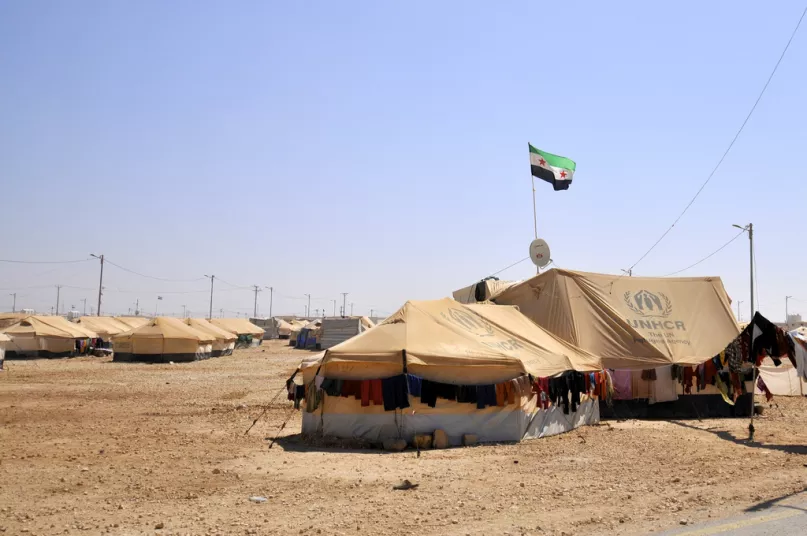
(380, 148)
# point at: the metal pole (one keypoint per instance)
(739, 316)
(308, 309)
(14, 306)
(344, 303)
(58, 289)
(334, 307)
(351, 309)
(255, 308)
(84, 313)
(271, 293)
(787, 316)
(210, 313)
(183, 312)
(100, 286)
(534, 211)
(753, 357)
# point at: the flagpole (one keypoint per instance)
(534, 213)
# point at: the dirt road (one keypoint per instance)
(88, 446)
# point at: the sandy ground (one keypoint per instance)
(88, 446)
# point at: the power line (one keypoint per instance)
(43, 262)
(715, 252)
(737, 135)
(514, 264)
(153, 277)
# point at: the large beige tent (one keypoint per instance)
(224, 341)
(248, 333)
(45, 336)
(162, 340)
(444, 341)
(104, 326)
(630, 322)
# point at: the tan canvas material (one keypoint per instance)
(450, 342)
(630, 322)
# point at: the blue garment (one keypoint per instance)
(485, 396)
(415, 383)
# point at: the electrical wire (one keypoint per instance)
(151, 276)
(726, 152)
(44, 262)
(715, 252)
(507, 268)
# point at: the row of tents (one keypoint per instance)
(160, 339)
(554, 324)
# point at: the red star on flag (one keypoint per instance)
(562, 174)
(542, 162)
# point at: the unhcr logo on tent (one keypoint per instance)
(646, 303)
(469, 322)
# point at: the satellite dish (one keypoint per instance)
(539, 252)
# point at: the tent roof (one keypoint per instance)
(451, 342)
(218, 333)
(48, 326)
(240, 326)
(4, 337)
(630, 322)
(164, 327)
(103, 325)
(133, 321)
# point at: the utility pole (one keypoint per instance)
(271, 295)
(100, 282)
(750, 229)
(221, 313)
(308, 309)
(156, 304)
(629, 271)
(255, 305)
(212, 278)
(351, 309)
(344, 303)
(84, 312)
(14, 306)
(183, 312)
(137, 307)
(787, 316)
(371, 315)
(334, 307)
(58, 290)
(739, 315)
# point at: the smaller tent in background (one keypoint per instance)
(296, 326)
(104, 326)
(163, 340)
(308, 338)
(482, 291)
(248, 333)
(46, 336)
(338, 330)
(133, 321)
(224, 342)
(283, 328)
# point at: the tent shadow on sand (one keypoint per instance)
(728, 436)
(302, 443)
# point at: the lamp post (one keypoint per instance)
(750, 230)
(271, 292)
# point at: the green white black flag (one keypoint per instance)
(554, 169)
